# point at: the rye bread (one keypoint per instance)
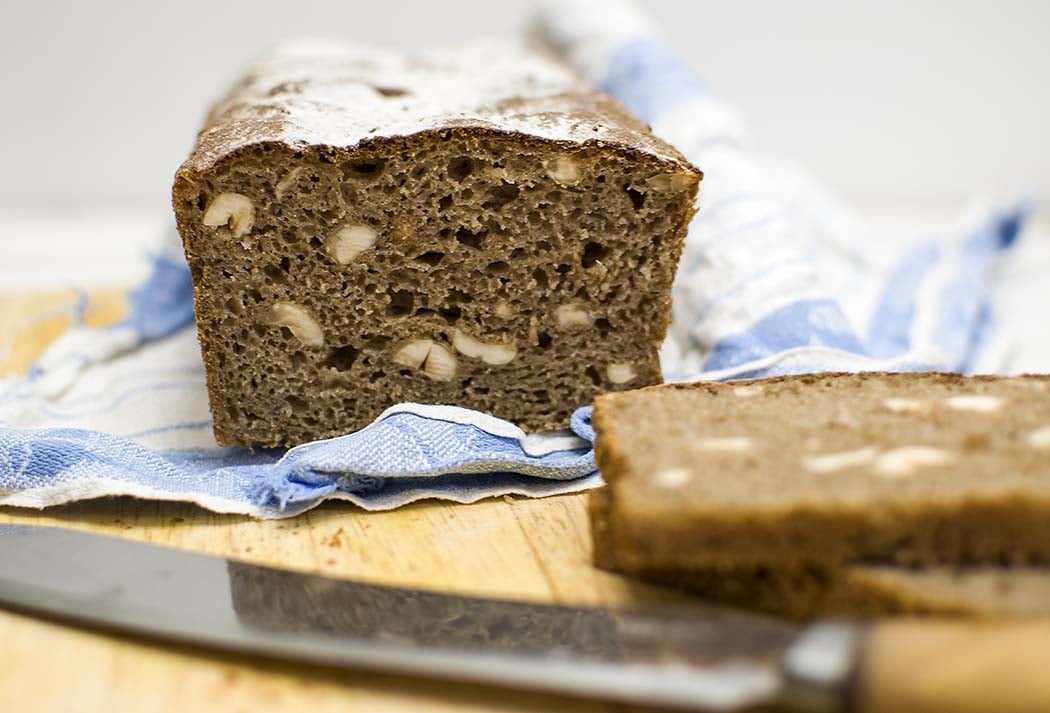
(865, 493)
(474, 226)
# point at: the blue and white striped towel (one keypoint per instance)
(776, 278)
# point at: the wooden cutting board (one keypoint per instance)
(510, 547)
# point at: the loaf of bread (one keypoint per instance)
(473, 226)
(826, 493)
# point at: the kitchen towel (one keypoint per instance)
(776, 277)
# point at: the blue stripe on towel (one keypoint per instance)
(889, 333)
(650, 79)
(806, 323)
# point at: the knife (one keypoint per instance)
(702, 657)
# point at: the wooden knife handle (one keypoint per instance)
(911, 666)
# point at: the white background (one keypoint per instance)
(917, 101)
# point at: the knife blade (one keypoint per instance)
(697, 657)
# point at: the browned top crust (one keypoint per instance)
(315, 93)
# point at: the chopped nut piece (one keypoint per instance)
(298, 320)
(437, 361)
(670, 181)
(1040, 438)
(413, 352)
(975, 402)
(899, 405)
(573, 315)
(904, 461)
(440, 364)
(287, 182)
(672, 477)
(489, 352)
(730, 444)
(830, 462)
(345, 244)
(231, 209)
(563, 170)
(621, 373)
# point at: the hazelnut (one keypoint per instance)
(231, 209)
(298, 320)
(573, 315)
(672, 477)
(902, 405)
(489, 352)
(670, 181)
(437, 362)
(728, 444)
(345, 244)
(978, 403)
(287, 182)
(621, 373)
(563, 170)
(1040, 438)
(904, 461)
(831, 462)
(413, 352)
(440, 364)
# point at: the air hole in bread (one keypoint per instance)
(637, 197)
(593, 253)
(401, 302)
(460, 167)
(451, 314)
(297, 403)
(341, 358)
(500, 196)
(368, 170)
(594, 375)
(431, 257)
(275, 273)
(470, 239)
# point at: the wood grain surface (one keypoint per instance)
(510, 547)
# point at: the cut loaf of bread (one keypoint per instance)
(473, 226)
(824, 493)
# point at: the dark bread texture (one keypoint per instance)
(472, 226)
(796, 494)
(802, 592)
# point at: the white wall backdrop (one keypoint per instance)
(918, 99)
